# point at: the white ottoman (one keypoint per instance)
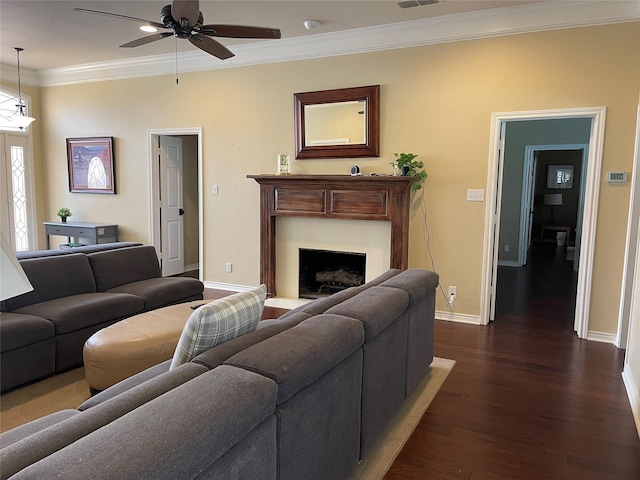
(134, 344)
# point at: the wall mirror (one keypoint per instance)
(342, 123)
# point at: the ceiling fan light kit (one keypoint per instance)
(185, 20)
(311, 24)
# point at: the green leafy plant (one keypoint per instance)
(412, 168)
(64, 212)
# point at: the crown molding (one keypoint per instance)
(527, 18)
(9, 74)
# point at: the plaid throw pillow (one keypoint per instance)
(218, 322)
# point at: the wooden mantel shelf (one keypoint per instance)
(384, 198)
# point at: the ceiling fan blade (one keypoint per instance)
(189, 9)
(211, 46)
(147, 39)
(124, 17)
(240, 31)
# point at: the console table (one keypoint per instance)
(94, 232)
(383, 198)
(555, 228)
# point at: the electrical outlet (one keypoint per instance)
(507, 248)
(229, 267)
(453, 291)
(214, 189)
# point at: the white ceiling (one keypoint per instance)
(55, 36)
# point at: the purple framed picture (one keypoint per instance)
(91, 165)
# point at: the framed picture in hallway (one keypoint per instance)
(560, 176)
(91, 165)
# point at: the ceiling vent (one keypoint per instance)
(416, 3)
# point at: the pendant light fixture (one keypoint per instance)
(20, 119)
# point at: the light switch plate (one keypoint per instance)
(475, 195)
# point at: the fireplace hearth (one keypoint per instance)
(324, 272)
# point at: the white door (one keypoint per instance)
(171, 212)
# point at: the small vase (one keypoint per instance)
(283, 164)
(405, 170)
(64, 219)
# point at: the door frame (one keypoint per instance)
(630, 249)
(591, 198)
(154, 187)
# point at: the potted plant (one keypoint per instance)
(63, 213)
(407, 166)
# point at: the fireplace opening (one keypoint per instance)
(324, 272)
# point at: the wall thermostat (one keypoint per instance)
(355, 171)
(616, 177)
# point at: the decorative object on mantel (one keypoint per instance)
(91, 165)
(63, 213)
(284, 164)
(409, 168)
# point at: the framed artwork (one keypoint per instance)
(91, 165)
(560, 176)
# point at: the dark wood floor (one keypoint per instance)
(527, 399)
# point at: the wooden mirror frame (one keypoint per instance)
(370, 94)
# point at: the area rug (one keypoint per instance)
(69, 389)
(393, 438)
(66, 390)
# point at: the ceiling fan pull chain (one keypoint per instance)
(177, 81)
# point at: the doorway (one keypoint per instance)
(175, 168)
(497, 188)
(547, 205)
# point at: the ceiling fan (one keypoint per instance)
(184, 19)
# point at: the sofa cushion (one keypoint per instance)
(159, 292)
(376, 307)
(416, 282)
(113, 268)
(298, 356)
(54, 277)
(75, 312)
(219, 321)
(60, 434)
(17, 330)
(154, 442)
(100, 247)
(213, 357)
(23, 431)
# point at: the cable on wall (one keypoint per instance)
(427, 241)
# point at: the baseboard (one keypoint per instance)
(601, 337)
(458, 317)
(192, 267)
(633, 392)
(231, 287)
(508, 263)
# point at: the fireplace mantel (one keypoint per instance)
(383, 198)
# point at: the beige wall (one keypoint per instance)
(436, 101)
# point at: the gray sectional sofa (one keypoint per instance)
(76, 293)
(304, 396)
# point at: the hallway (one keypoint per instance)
(528, 399)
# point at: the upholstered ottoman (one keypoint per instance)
(134, 344)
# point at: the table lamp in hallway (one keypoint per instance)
(552, 199)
